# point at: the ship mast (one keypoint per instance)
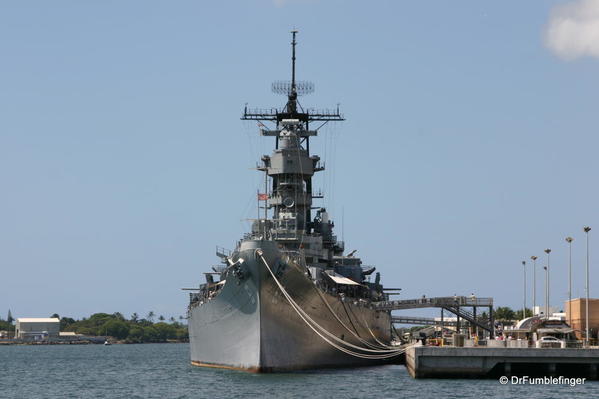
(292, 102)
(291, 166)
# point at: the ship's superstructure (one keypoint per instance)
(288, 297)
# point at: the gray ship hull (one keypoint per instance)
(250, 325)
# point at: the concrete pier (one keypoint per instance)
(483, 362)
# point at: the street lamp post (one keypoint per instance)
(545, 310)
(524, 308)
(569, 241)
(586, 229)
(547, 251)
(534, 283)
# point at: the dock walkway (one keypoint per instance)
(484, 362)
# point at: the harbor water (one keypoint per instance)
(163, 371)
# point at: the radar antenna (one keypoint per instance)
(286, 87)
(292, 89)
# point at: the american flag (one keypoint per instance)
(262, 197)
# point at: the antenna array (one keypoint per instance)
(286, 87)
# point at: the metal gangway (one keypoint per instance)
(423, 321)
(454, 304)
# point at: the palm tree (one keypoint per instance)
(134, 317)
(151, 315)
(119, 315)
(172, 319)
(161, 318)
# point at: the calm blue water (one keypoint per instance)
(163, 371)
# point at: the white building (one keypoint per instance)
(37, 328)
(540, 311)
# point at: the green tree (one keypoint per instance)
(136, 334)
(5, 325)
(182, 334)
(134, 317)
(165, 331)
(85, 330)
(151, 315)
(150, 334)
(145, 323)
(119, 316)
(65, 322)
(161, 318)
(98, 319)
(505, 314)
(116, 328)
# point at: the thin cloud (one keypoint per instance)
(573, 30)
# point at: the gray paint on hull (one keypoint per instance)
(250, 324)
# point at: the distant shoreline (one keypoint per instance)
(96, 329)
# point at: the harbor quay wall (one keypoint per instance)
(481, 362)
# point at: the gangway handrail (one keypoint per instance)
(428, 321)
(455, 304)
(433, 302)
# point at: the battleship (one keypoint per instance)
(288, 297)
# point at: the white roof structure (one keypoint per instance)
(342, 280)
(38, 320)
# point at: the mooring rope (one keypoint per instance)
(355, 334)
(367, 327)
(314, 326)
(371, 333)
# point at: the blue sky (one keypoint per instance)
(470, 142)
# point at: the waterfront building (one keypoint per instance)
(576, 316)
(37, 328)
